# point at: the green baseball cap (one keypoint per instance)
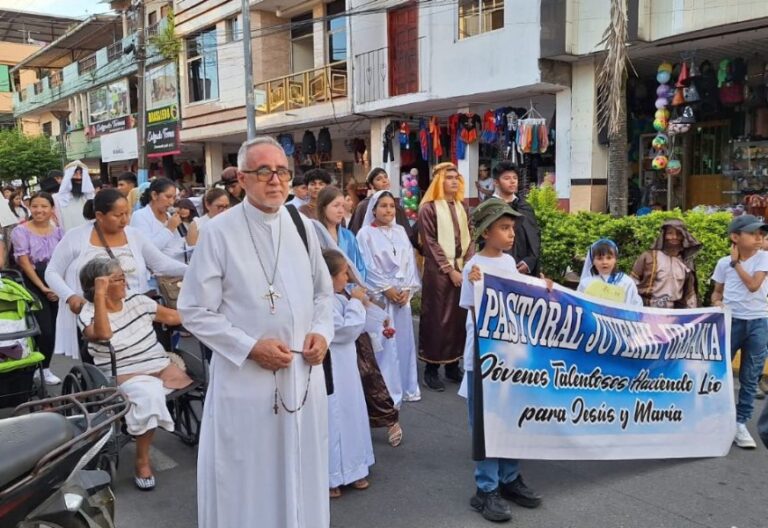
(488, 212)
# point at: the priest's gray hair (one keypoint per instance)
(98, 267)
(242, 154)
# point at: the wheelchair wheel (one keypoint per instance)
(186, 419)
(78, 379)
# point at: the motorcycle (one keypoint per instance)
(46, 449)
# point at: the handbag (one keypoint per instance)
(169, 287)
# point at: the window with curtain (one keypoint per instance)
(479, 16)
(234, 29)
(202, 66)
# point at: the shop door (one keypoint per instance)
(706, 184)
(403, 37)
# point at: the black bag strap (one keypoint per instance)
(296, 217)
(299, 223)
(103, 240)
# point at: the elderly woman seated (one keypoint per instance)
(145, 372)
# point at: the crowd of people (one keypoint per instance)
(287, 276)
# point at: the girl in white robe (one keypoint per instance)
(391, 266)
(601, 278)
(350, 450)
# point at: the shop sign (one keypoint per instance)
(108, 102)
(113, 125)
(162, 140)
(165, 114)
(120, 146)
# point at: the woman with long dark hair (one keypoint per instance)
(33, 245)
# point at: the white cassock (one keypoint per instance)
(349, 435)
(390, 262)
(255, 467)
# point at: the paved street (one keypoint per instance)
(427, 482)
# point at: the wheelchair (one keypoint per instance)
(185, 405)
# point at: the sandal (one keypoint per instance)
(395, 435)
(361, 484)
(334, 493)
(144, 483)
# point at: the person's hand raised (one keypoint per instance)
(174, 222)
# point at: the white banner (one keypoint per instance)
(120, 146)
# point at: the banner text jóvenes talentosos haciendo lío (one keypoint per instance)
(566, 376)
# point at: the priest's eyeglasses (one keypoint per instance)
(264, 173)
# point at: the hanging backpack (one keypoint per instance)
(324, 144)
(286, 141)
(308, 144)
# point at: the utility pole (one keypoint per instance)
(250, 104)
(141, 121)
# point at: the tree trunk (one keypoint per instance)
(617, 164)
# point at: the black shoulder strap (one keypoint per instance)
(296, 217)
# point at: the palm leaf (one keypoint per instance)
(612, 73)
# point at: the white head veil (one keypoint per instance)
(65, 190)
(327, 242)
(586, 271)
(369, 216)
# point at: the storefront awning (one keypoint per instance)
(87, 37)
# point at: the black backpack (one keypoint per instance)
(308, 144)
(324, 144)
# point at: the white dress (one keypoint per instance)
(350, 450)
(390, 262)
(255, 467)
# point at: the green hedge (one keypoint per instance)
(565, 237)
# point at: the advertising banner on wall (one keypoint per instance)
(108, 102)
(162, 86)
(120, 146)
(567, 376)
(162, 139)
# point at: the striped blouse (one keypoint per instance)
(133, 337)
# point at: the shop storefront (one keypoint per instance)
(698, 125)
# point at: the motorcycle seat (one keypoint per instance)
(24, 440)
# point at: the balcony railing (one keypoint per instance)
(387, 72)
(303, 89)
(152, 29)
(115, 51)
(86, 65)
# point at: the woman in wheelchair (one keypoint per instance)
(145, 372)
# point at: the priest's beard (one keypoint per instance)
(77, 189)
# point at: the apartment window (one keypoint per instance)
(302, 44)
(337, 31)
(480, 16)
(48, 129)
(5, 78)
(152, 18)
(202, 66)
(234, 29)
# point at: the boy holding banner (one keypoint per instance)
(496, 478)
(740, 285)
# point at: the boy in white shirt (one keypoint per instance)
(741, 286)
(496, 479)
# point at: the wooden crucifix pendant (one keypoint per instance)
(272, 296)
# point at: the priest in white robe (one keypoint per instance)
(264, 304)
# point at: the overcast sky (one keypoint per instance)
(72, 8)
